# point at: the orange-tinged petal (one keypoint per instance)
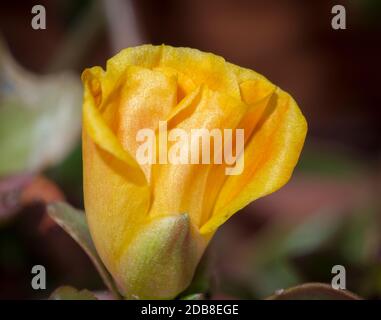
(101, 134)
(270, 158)
(256, 94)
(145, 98)
(185, 85)
(200, 67)
(184, 187)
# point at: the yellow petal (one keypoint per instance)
(114, 185)
(145, 97)
(116, 207)
(202, 68)
(184, 187)
(270, 158)
(96, 127)
(256, 94)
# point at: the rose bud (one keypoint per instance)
(152, 220)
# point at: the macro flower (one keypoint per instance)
(151, 222)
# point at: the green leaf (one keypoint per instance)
(330, 161)
(282, 241)
(70, 293)
(272, 275)
(313, 291)
(194, 296)
(312, 233)
(201, 282)
(74, 223)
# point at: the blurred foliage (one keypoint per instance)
(74, 223)
(70, 293)
(288, 255)
(329, 161)
(371, 10)
(40, 117)
(68, 175)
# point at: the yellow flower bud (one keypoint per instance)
(151, 222)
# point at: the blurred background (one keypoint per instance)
(328, 214)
